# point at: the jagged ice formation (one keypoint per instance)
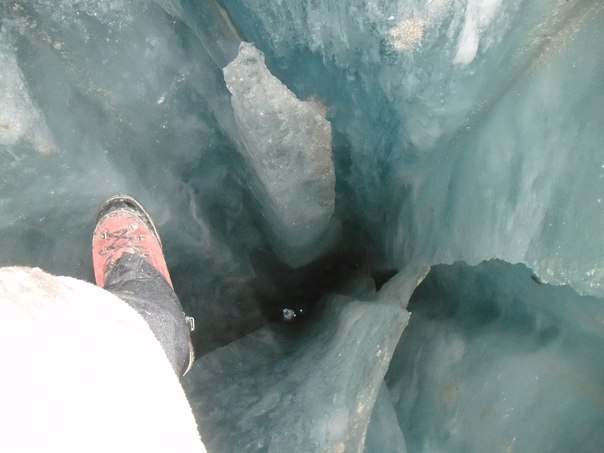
(310, 161)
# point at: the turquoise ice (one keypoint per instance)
(463, 136)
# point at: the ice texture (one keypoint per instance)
(384, 432)
(396, 135)
(311, 388)
(282, 394)
(20, 119)
(493, 156)
(109, 97)
(286, 144)
(501, 363)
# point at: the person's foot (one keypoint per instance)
(124, 226)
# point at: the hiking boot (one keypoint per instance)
(124, 226)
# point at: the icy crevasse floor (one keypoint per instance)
(436, 132)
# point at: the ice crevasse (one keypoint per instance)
(309, 164)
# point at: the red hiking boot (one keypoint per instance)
(124, 226)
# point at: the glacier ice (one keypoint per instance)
(287, 146)
(383, 431)
(311, 388)
(437, 138)
(418, 133)
(501, 363)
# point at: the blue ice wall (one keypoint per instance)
(501, 361)
(465, 129)
(399, 135)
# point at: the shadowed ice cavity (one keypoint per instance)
(494, 360)
(460, 130)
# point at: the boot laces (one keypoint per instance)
(123, 239)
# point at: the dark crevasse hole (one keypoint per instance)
(271, 290)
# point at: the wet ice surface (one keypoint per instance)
(501, 363)
(309, 388)
(287, 147)
(418, 133)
